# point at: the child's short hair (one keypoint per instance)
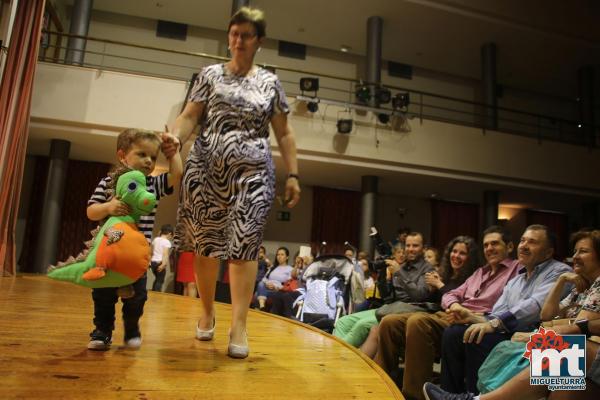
(131, 135)
(166, 229)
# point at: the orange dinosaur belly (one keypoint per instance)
(129, 256)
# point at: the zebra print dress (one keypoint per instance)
(228, 184)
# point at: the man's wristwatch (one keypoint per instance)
(583, 327)
(495, 323)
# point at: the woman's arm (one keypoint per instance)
(184, 126)
(287, 146)
(551, 306)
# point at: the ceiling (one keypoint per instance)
(541, 43)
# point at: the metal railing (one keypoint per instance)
(175, 64)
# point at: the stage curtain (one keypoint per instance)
(335, 220)
(15, 102)
(450, 219)
(557, 223)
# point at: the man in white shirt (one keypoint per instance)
(160, 256)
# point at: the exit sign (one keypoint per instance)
(283, 215)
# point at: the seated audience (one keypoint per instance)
(417, 337)
(459, 261)
(432, 256)
(282, 302)
(407, 281)
(465, 347)
(275, 277)
(263, 264)
(583, 304)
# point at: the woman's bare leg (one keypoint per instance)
(191, 289)
(206, 269)
(242, 275)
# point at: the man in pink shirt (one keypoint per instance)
(418, 336)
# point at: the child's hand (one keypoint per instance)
(170, 144)
(117, 208)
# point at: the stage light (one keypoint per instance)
(363, 94)
(344, 126)
(309, 84)
(383, 118)
(383, 95)
(401, 101)
(312, 106)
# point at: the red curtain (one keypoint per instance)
(336, 219)
(450, 219)
(557, 223)
(15, 102)
(75, 227)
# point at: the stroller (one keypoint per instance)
(327, 292)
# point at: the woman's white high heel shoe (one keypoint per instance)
(237, 350)
(206, 335)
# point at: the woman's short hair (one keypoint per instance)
(253, 16)
(593, 235)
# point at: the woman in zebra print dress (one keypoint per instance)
(229, 181)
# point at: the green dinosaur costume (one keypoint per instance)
(119, 253)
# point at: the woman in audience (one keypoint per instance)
(458, 263)
(369, 286)
(282, 302)
(263, 264)
(275, 277)
(583, 303)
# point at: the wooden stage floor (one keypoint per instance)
(44, 327)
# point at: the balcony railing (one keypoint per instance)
(173, 64)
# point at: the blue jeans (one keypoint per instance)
(262, 291)
(159, 276)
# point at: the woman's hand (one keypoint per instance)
(433, 279)
(292, 191)
(521, 337)
(579, 281)
(170, 144)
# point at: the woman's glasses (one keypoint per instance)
(245, 36)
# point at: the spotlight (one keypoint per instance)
(383, 118)
(344, 126)
(401, 101)
(309, 84)
(363, 94)
(312, 106)
(383, 95)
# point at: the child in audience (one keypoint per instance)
(161, 246)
